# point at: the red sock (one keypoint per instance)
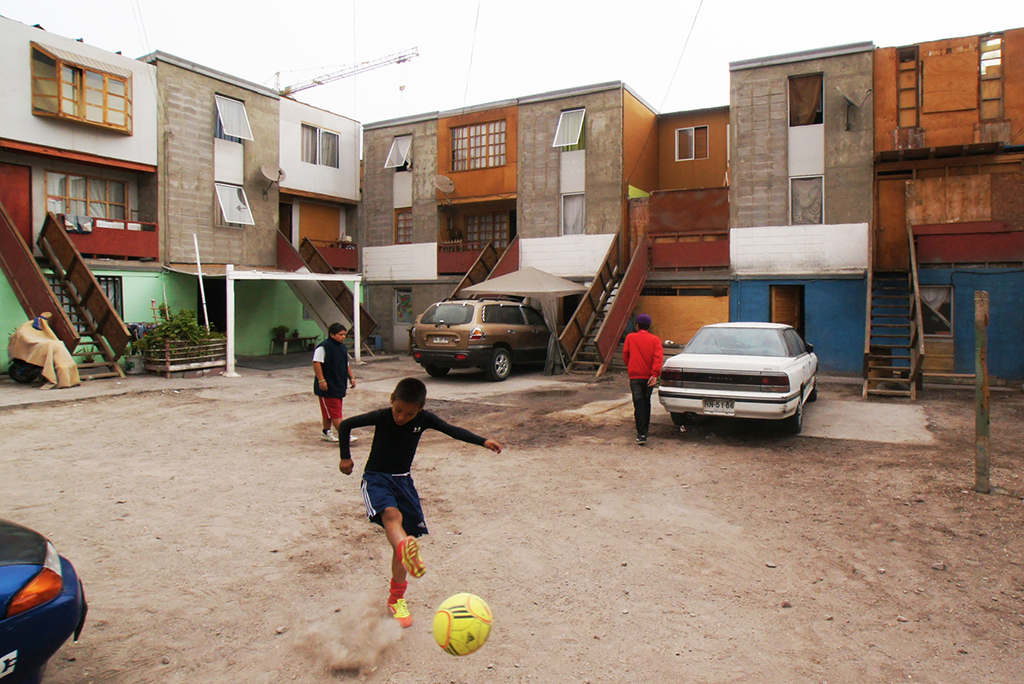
(397, 591)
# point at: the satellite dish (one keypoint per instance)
(273, 173)
(849, 100)
(444, 183)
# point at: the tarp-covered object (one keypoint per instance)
(536, 284)
(41, 347)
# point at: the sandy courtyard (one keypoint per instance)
(218, 542)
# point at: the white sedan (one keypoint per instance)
(742, 370)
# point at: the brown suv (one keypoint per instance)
(491, 334)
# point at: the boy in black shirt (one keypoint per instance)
(388, 490)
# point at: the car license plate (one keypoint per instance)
(439, 339)
(719, 407)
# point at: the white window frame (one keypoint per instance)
(693, 143)
(821, 179)
(234, 125)
(570, 125)
(242, 214)
(320, 149)
(400, 153)
(583, 213)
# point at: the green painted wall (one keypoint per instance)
(261, 305)
(11, 316)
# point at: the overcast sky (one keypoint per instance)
(473, 52)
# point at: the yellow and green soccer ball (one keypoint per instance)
(462, 624)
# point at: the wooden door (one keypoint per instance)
(319, 222)
(787, 306)
(16, 196)
(891, 248)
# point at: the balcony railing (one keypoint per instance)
(340, 254)
(112, 238)
(456, 257)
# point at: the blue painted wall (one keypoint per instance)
(833, 316)
(1006, 317)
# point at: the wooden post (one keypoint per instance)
(981, 394)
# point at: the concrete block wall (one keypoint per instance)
(539, 192)
(377, 214)
(759, 123)
(189, 203)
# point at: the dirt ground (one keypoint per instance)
(218, 542)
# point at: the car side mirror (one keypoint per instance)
(810, 347)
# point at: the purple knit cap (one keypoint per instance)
(643, 319)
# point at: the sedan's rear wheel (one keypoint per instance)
(436, 371)
(813, 396)
(794, 424)
(499, 366)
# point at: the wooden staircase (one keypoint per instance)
(102, 335)
(591, 337)
(894, 335)
(480, 270)
(342, 296)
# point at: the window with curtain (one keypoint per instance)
(329, 149)
(233, 119)
(320, 146)
(310, 144)
(806, 200)
(400, 154)
(805, 100)
(86, 196)
(570, 128)
(572, 214)
(479, 146)
(937, 312)
(234, 205)
(691, 143)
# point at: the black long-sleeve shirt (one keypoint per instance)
(394, 445)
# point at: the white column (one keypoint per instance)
(357, 319)
(229, 271)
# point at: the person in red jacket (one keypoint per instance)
(643, 355)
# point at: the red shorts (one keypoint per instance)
(330, 407)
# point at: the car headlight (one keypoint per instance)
(44, 587)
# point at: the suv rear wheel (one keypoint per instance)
(499, 366)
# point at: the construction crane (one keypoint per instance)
(351, 70)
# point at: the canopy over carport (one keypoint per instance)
(536, 284)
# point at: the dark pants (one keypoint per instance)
(641, 404)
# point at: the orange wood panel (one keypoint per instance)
(884, 94)
(639, 144)
(498, 180)
(676, 319)
(950, 82)
(1013, 79)
(694, 173)
(319, 222)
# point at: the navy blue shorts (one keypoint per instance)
(383, 490)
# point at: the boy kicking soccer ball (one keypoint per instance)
(388, 491)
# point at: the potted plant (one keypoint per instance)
(280, 331)
(295, 333)
(180, 343)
